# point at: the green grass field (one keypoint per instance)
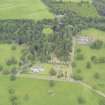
(89, 75)
(24, 9)
(38, 92)
(7, 53)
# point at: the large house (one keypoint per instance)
(37, 69)
(84, 40)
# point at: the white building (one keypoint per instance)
(84, 40)
(37, 69)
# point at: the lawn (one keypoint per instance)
(24, 9)
(38, 92)
(6, 53)
(94, 75)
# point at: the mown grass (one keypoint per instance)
(24, 9)
(89, 75)
(38, 92)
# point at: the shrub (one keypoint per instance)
(73, 64)
(96, 45)
(11, 61)
(88, 65)
(6, 72)
(79, 57)
(93, 58)
(51, 83)
(13, 47)
(102, 102)
(1, 68)
(52, 72)
(77, 77)
(60, 74)
(14, 71)
(13, 77)
(81, 100)
(11, 91)
(96, 75)
(78, 71)
(78, 50)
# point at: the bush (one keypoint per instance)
(52, 72)
(13, 77)
(93, 58)
(11, 61)
(60, 74)
(96, 45)
(77, 77)
(78, 50)
(1, 68)
(88, 65)
(6, 72)
(13, 47)
(14, 71)
(96, 75)
(81, 100)
(73, 64)
(79, 57)
(11, 91)
(51, 83)
(102, 102)
(78, 71)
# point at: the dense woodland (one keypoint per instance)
(41, 46)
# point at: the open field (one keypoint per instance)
(24, 9)
(38, 92)
(7, 53)
(92, 73)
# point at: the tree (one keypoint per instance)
(97, 44)
(13, 47)
(96, 75)
(1, 68)
(12, 77)
(52, 72)
(11, 61)
(80, 57)
(51, 83)
(102, 102)
(88, 65)
(81, 100)
(93, 58)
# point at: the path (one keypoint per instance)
(72, 56)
